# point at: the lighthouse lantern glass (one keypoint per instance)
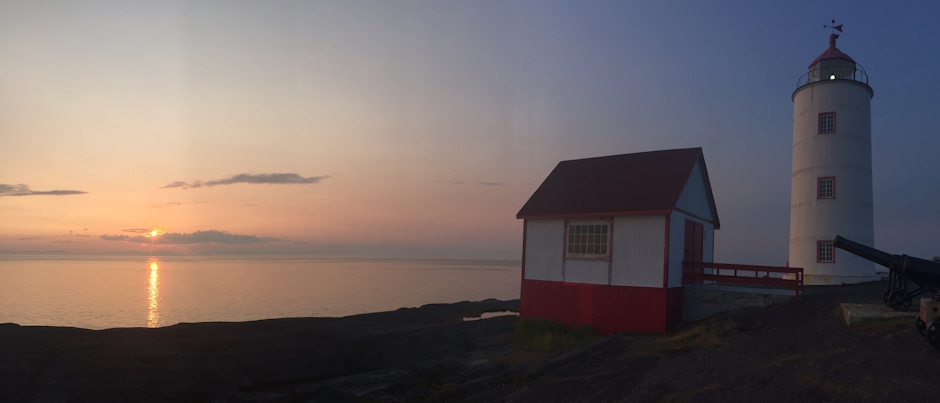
(832, 69)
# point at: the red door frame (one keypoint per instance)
(694, 248)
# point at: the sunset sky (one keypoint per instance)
(420, 128)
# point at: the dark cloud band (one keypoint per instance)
(172, 204)
(459, 182)
(198, 237)
(272, 179)
(23, 190)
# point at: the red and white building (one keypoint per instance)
(604, 239)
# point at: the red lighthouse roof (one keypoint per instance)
(832, 53)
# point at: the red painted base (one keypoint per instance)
(609, 308)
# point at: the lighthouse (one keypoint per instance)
(831, 188)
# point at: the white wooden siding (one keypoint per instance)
(677, 244)
(586, 271)
(544, 240)
(638, 253)
(694, 197)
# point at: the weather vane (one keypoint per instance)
(833, 27)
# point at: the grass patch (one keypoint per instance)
(547, 336)
(811, 377)
(711, 333)
(687, 396)
(779, 362)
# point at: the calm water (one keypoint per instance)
(136, 292)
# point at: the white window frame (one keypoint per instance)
(829, 128)
(822, 249)
(820, 189)
(599, 240)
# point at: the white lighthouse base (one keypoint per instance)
(809, 279)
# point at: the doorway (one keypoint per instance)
(694, 247)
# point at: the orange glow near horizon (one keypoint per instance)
(153, 296)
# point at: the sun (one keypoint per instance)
(154, 232)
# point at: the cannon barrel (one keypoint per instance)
(864, 252)
(919, 270)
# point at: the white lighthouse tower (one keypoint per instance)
(831, 190)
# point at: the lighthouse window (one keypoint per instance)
(588, 240)
(826, 188)
(827, 122)
(825, 253)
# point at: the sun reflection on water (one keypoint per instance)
(153, 296)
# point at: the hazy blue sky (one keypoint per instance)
(422, 127)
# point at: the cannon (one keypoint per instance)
(901, 270)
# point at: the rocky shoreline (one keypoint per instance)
(263, 360)
(798, 351)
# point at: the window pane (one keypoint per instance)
(827, 123)
(589, 239)
(825, 188)
(825, 251)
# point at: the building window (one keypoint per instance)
(827, 122)
(826, 188)
(588, 240)
(825, 253)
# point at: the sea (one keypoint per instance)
(109, 292)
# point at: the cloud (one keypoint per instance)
(29, 238)
(23, 190)
(198, 237)
(458, 182)
(273, 179)
(172, 204)
(138, 230)
(177, 184)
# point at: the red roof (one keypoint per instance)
(832, 53)
(641, 183)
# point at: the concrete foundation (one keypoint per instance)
(700, 301)
(854, 313)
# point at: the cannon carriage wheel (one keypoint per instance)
(921, 326)
(900, 300)
(933, 332)
(896, 283)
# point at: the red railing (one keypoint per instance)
(693, 272)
